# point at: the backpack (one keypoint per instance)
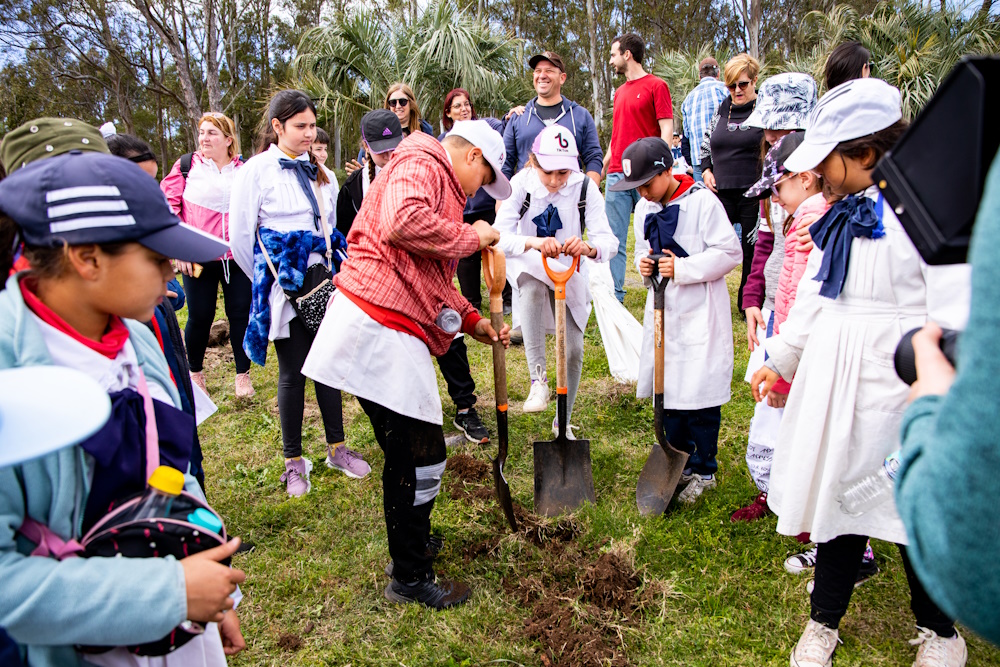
(581, 205)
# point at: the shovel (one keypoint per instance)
(495, 273)
(563, 475)
(662, 472)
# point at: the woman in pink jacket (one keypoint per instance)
(198, 188)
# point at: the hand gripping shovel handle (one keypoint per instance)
(559, 280)
(495, 274)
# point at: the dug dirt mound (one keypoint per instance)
(467, 468)
(577, 603)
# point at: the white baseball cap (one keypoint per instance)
(555, 149)
(45, 408)
(485, 138)
(851, 110)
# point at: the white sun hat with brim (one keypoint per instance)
(46, 408)
(851, 110)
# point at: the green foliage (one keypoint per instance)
(348, 65)
(913, 47)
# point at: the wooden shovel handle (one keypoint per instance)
(495, 275)
(560, 279)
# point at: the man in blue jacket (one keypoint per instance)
(547, 108)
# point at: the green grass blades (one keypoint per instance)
(602, 587)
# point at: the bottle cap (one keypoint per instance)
(202, 517)
(168, 480)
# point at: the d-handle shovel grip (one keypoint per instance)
(659, 282)
(494, 270)
(560, 279)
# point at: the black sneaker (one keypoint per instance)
(439, 594)
(434, 545)
(472, 426)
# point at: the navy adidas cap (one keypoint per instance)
(643, 159)
(86, 197)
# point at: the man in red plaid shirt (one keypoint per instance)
(395, 306)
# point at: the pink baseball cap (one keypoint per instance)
(555, 149)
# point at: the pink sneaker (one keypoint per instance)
(199, 379)
(244, 388)
(296, 477)
(347, 461)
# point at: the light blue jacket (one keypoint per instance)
(48, 605)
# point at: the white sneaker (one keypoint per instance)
(695, 487)
(802, 562)
(569, 429)
(938, 651)
(538, 397)
(815, 647)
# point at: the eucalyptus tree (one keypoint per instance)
(348, 65)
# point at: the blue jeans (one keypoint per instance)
(618, 206)
(695, 431)
(697, 173)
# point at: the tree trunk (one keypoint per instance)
(337, 148)
(984, 10)
(413, 12)
(594, 73)
(211, 57)
(171, 40)
(480, 7)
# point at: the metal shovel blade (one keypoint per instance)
(499, 481)
(564, 479)
(659, 479)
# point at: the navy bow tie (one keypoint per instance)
(548, 222)
(850, 218)
(306, 172)
(659, 231)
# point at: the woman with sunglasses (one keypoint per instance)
(731, 156)
(400, 100)
(198, 189)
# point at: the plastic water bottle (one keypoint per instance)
(164, 485)
(202, 517)
(871, 490)
(449, 320)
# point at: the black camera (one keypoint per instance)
(933, 178)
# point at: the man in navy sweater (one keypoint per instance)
(547, 108)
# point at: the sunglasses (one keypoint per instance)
(742, 85)
(774, 186)
(402, 102)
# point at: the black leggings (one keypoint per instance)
(744, 211)
(202, 295)
(292, 352)
(411, 478)
(837, 565)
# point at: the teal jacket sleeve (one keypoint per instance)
(948, 491)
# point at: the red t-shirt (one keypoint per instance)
(639, 105)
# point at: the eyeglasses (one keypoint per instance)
(774, 186)
(402, 102)
(461, 105)
(742, 84)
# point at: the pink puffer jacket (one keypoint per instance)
(809, 211)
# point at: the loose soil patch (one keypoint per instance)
(577, 603)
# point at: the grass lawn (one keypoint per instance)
(604, 586)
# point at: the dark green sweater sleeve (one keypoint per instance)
(948, 492)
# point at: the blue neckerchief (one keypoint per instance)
(306, 172)
(659, 231)
(548, 222)
(850, 218)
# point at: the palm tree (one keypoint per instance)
(348, 65)
(912, 47)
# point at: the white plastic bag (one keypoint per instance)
(621, 333)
